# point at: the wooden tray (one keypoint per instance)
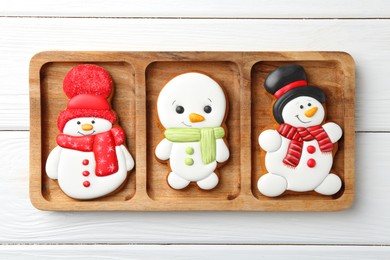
(138, 78)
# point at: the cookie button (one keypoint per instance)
(311, 149)
(311, 163)
(85, 173)
(86, 184)
(189, 150)
(85, 162)
(188, 161)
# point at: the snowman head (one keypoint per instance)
(191, 100)
(84, 126)
(88, 112)
(296, 103)
(303, 111)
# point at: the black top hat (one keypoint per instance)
(286, 83)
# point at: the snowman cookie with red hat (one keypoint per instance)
(90, 159)
(298, 154)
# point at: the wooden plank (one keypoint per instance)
(171, 252)
(367, 222)
(14, 111)
(201, 8)
(22, 38)
(229, 69)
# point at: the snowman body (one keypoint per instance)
(72, 179)
(195, 172)
(302, 177)
(191, 101)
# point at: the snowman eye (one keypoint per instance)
(179, 109)
(207, 109)
(309, 104)
(301, 107)
(93, 121)
(78, 122)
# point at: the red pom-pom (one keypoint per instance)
(87, 79)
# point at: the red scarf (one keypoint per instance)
(102, 145)
(298, 135)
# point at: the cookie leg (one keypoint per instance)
(208, 183)
(330, 185)
(272, 185)
(177, 182)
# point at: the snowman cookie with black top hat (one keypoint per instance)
(298, 154)
(90, 159)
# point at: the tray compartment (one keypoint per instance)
(226, 74)
(54, 100)
(328, 76)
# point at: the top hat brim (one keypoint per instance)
(281, 102)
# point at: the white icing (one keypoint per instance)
(163, 150)
(208, 183)
(331, 185)
(294, 112)
(74, 126)
(270, 140)
(129, 159)
(66, 164)
(333, 130)
(52, 163)
(223, 153)
(196, 172)
(272, 185)
(193, 91)
(176, 182)
(300, 178)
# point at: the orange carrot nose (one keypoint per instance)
(87, 127)
(196, 118)
(311, 112)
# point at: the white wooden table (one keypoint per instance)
(361, 28)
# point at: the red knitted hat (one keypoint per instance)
(88, 87)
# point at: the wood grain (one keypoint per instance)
(22, 38)
(241, 75)
(202, 8)
(169, 252)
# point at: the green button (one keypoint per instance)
(189, 150)
(188, 161)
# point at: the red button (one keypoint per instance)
(311, 163)
(85, 162)
(311, 149)
(85, 173)
(86, 184)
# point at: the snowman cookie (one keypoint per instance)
(191, 108)
(90, 159)
(299, 153)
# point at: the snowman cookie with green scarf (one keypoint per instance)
(191, 107)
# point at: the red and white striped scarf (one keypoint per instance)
(298, 135)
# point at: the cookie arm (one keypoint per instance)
(270, 140)
(163, 150)
(129, 159)
(52, 163)
(333, 130)
(222, 151)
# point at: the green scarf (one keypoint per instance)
(207, 137)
